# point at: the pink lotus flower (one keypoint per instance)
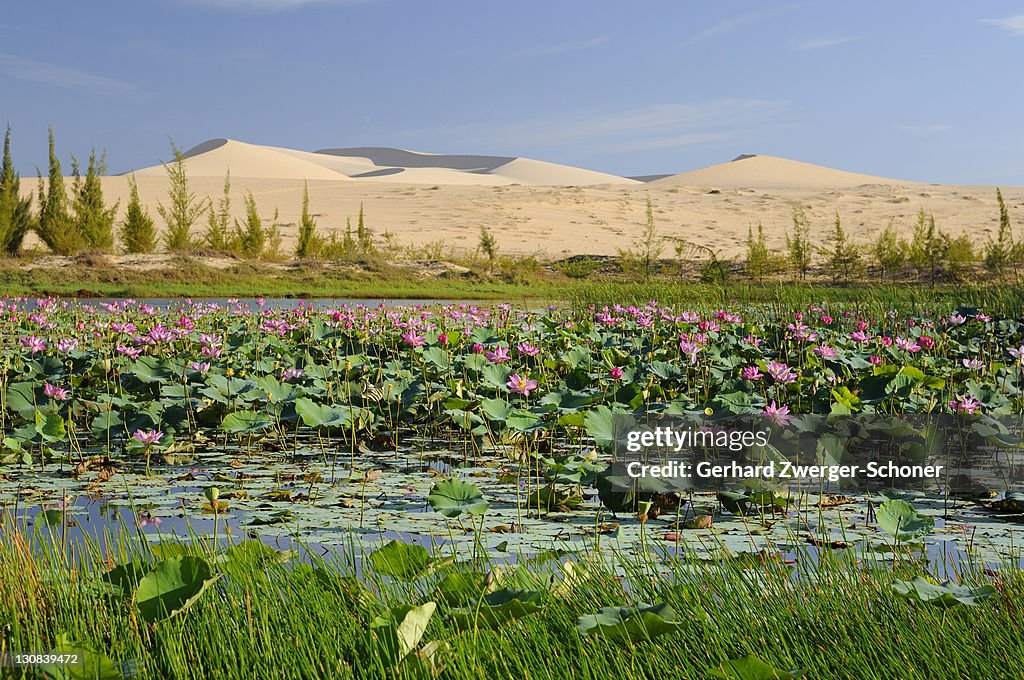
(65, 345)
(521, 385)
(477, 348)
(442, 338)
(200, 366)
(965, 404)
(926, 341)
(875, 360)
(410, 338)
(777, 414)
(861, 337)
(147, 437)
(908, 345)
(498, 355)
(973, 364)
(131, 352)
(527, 349)
(615, 373)
(689, 348)
(825, 351)
(956, 319)
(33, 344)
(55, 393)
(826, 319)
(1018, 353)
(290, 373)
(752, 373)
(148, 520)
(780, 372)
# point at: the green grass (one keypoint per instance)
(840, 620)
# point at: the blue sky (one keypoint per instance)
(915, 90)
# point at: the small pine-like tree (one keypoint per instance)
(842, 257)
(928, 247)
(93, 220)
(961, 257)
(488, 246)
(646, 250)
(184, 207)
(310, 243)
(999, 252)
(138, 231)
(889, 252)
(364, 237)
(759, 259)
(251, 236)
(272, 246)
(798, 243)
(55, 226)
(218, 234)
(15, 211)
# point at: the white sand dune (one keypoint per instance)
(215, 157)
(771, 172)
(379, 164)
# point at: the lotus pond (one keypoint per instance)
(435, 474)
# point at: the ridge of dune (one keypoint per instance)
(378, 164)
(757, 171)
(252, 161)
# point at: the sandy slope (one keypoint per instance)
(375, 164)
(769, 171)
(715, 210)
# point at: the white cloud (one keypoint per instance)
(30, 70)
(560, 48)
(729, 25)
(823, 43)
(266, 5)
(654, 127)
(925, 128)
(1014, 25)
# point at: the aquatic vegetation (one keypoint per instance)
(464, 463)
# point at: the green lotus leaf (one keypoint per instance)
(404, 561)
(172, 587)
(455, 497)
(752, 668)
(900, 520)
(945, 594)
(629, 624)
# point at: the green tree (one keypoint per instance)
(138, 231)
(218, 234)
(643, 255)
(272, 246)
(310, 243)
(843, 257)
(55, 226)
(184, 207)
(798, 243)
(1000, 252)
(928, 247)
(15, 211)
(488, 246)
(93, 220)
(889, 252)
(251, 236)
(961, 257)
(759, 259)
(364, 237)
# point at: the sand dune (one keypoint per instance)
(551, 217)
(753, 171)
(378, 164)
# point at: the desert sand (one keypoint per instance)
(553, 211)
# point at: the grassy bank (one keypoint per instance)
(197, 278)
(265, 614)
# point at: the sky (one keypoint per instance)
(912, 90)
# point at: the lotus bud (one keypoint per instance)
(212, 493)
